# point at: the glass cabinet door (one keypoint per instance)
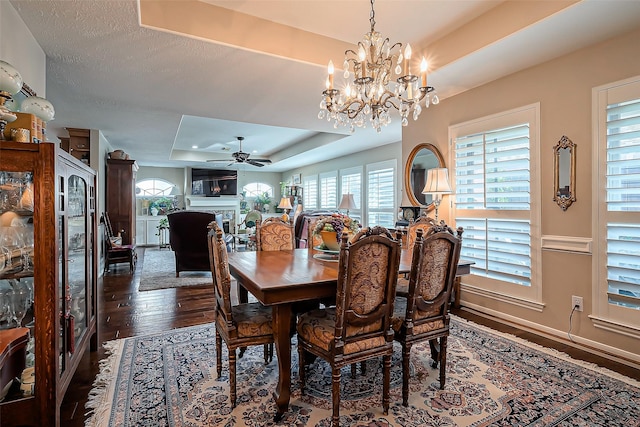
(17, 320)
(77, 257)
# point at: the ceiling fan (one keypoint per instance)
(242, 157)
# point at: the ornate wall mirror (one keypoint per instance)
(422, 158)
(564, 166)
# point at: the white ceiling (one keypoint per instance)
(156, 93)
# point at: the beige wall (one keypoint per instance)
(563, 88)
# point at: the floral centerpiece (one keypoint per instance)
(331, 229)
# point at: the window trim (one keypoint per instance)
(610, 317)
(527, 296)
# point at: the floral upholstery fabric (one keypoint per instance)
(368, 277)
(252, 319)
(423, 223)
(275, 235)
(435, 263)
(317, 327)
(399, 315)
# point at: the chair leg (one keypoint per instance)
(268, 353)
(232, 377)
(443, 361)
(218, 353)
(363, 367)
(353, 370)
(406, 353)
(386, 379)
(435, 353)
(335, 394)
(301, 369)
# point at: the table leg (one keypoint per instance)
(456, 292)
(281, 331)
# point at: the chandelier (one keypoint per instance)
(373, 90)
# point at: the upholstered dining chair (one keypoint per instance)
(358, 327)
(424, 314)
(239, 325)
(423, 223)
(274, 234)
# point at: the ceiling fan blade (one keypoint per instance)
(261, 160)
(255, 163)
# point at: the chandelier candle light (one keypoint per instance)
(374, 91)
(437, 185)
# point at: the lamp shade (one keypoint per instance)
(175, 191)
(39, 107)
(347, 202)
(437, 182)
(285, 203)
(10, 79)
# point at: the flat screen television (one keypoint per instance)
(214, 182)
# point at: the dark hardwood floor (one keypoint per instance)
(125, 312)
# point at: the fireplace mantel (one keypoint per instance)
(229, 206)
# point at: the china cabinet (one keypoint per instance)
(121, 198)
(48, 272)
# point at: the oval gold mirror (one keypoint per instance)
(422, 158)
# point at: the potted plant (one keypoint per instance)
(263, 200)
(161, 205)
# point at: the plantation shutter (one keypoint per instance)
(380, 194)
(310, 186)
(352, 183)
(492, 175)
(328, 191)
(623, 197)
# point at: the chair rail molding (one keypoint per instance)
(580, 245)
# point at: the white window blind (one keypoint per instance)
(380, 196)
(493, 200)
(623, 196)
(310, 187)
(328, 190)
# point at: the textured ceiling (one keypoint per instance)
(204, 73)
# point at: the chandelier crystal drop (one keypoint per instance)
(374, 90)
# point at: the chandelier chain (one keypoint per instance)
(372, 17)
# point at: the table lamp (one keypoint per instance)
(437, 185)
(285, 204)
(347, 202)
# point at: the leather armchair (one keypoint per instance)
(188, 239)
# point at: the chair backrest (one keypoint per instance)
(367, 277)
(421, 223)
(219, 264)
(313, 240)
(433, 272)
(274, 234)
(252, 219)
(187, 229)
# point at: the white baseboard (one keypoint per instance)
(606, 351)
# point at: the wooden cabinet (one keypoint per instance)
(78, 144)
(121, 198)
(47, 203)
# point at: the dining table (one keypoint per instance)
(282, 278)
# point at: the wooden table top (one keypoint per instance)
(274, 277)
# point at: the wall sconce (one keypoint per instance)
(437, 185)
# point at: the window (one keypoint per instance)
(381, 190)
(153, 188)
(351, 182)
(310, 187)
(496, 200)
(616, 148)
(254, 189)
(328, 190)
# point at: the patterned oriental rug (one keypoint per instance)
(169, 379)
(159, 272)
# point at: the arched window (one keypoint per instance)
(153, 188)
(254, 189)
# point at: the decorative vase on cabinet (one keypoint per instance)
(48, 198)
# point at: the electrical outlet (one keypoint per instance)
(577, 302)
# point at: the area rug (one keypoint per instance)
(159, 272)
(493, 379)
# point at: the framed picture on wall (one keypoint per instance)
(296, 179)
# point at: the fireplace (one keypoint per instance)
(229, 207)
